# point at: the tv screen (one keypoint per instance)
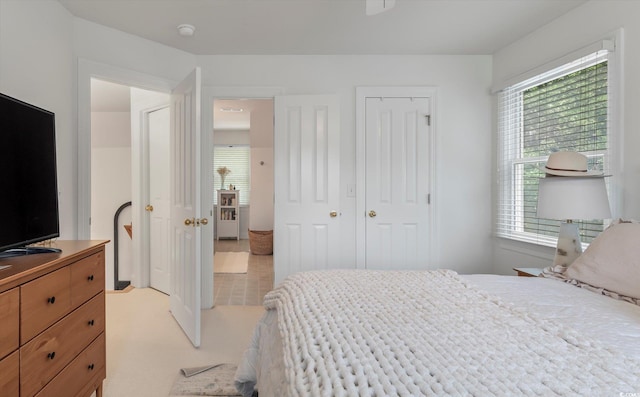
(28, 176)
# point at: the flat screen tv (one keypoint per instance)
(28, 177)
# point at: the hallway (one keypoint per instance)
(246, 289)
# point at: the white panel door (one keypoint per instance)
(185, 241)
(397, 182)
(307, 184)
(159, 214)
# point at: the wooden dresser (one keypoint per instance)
(52, 322)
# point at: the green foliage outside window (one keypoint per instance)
(567, 113)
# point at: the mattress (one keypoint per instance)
(616, 324)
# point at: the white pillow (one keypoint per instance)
(612, 261)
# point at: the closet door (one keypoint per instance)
(397, 183)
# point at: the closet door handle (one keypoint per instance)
(372, 214)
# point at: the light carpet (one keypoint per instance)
(146, 347)
(230, 262)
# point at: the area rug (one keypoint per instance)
(230, 262)
(212, 380)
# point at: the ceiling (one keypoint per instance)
(326, 26)
(272, 27)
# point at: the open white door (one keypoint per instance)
(307, 184)
(185, 239)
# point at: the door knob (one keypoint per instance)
(372, 214)
(204, 221)
(333, 213)
(188, 222)
(149, 207)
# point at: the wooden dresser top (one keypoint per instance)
(28, 267)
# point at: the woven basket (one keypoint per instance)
(261, 242)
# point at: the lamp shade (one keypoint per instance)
(573, 198)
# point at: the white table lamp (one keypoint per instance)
(567, 198)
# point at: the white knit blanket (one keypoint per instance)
(389, 333)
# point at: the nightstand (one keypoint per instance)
(528, 271)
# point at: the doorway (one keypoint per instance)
(122, 118)
(111, 170)
(242, 162)
(189, 292)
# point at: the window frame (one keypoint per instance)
(509, 215)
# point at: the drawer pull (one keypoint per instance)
(90, 323)
(90, 278)
(51, 355)
(90, 367)
(51, 300)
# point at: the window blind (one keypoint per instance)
(566, 108)
(236, 158)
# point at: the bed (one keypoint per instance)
(408, 333)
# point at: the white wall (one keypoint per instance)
(261, 189)
(587, 24)
(231, 137)
(39, 65)
(261, 216)
(113, 47)
(462, 192)
(111, 187)
(36, 66)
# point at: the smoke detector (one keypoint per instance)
(186, 30)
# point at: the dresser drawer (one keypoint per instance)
(9, 375)
(9, 321)
(87, 278)
(86, 372)
(48, 353)
(43, 302)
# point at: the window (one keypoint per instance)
(566, 108)
(235, 158)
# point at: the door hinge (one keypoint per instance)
(428, 117)
(429, 198)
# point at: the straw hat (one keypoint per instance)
(569, 164)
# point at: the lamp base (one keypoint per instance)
(569, 247)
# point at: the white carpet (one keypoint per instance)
(146, 347)
(230, 262)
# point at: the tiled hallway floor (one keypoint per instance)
(243, 289)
